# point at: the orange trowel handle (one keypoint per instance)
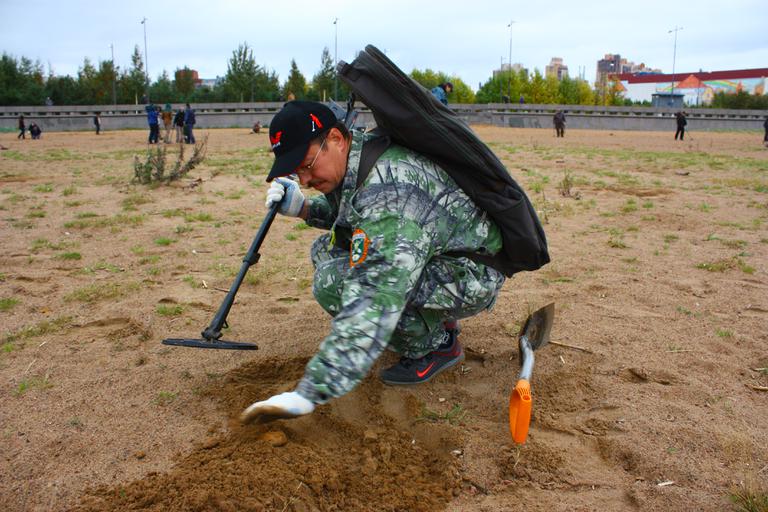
(520, 404)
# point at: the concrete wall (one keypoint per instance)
(610, 118)
(243, 115)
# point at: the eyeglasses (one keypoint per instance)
(300, 171)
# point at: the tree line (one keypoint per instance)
(23, 82)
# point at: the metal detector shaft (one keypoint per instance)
(213, 331)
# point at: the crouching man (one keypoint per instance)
(395, 270)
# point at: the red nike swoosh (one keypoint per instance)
(426, 370)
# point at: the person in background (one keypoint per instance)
(35, 131)
(167, 117)
(178, 123)
(442, 91)
(681, 122)
(97, 122)
(154, 127)
(559, 120)
(765, 137)
(189, 125)
(22, 128)
(256, 127)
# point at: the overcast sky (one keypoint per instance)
(468, 39)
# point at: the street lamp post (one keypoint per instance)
(114, 76)
(674, 55)
(335, 58)
(146, 60)
(509, 86)
(501, 79)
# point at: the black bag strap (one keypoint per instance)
(372, 150)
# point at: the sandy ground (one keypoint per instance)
(654, 397)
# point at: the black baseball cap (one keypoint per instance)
(291, 131)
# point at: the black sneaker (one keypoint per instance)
(415, 371)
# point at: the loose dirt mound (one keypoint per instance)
(652, 396)
(350, 458)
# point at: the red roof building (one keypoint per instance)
(698, 88)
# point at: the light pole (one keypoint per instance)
(146, 60)
(674, 55)
(335, 58)
(501, 79)
(114, 76)
(509, 86)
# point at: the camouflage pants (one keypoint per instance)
(448, 289)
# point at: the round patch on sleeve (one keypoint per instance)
(358, 249)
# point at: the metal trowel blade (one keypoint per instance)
(538, 326)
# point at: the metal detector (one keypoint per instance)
(212, 334)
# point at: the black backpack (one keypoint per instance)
(409, 115)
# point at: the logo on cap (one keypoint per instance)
(315, 122)
(276, 139)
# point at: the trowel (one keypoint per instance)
(533, 335)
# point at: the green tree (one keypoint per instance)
(430, 79)
(86, 83)
(247, 81)
(61, 89)
(184, 83)
(131, 85)
(567, 91)
(492, 90)
(105, 77)
(551, 90)
(240, 80)
(21, 82)
(323, 81)
(462, 93)
(586, 95)
(267, 86)
(615, 94)
(740, 100)
(534, 90)
(207, 95)
(162, 90)
(296, 84)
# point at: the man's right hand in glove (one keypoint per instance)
(283, 406)
(288, 194)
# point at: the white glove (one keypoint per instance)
(283, 406)
(288, 193)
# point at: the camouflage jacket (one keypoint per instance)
(406, 212)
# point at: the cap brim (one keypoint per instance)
(286, 163)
